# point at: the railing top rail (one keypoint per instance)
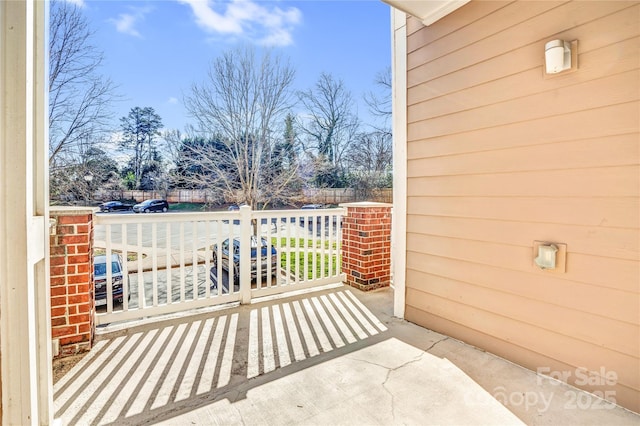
(111, 219)
(299, 212)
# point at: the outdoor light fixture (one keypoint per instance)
(557, 54)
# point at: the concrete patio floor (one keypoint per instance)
(331, 357)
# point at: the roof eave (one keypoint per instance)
(427, 11)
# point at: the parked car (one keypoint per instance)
(100, 279)
(311, 207)
(234, 208)
(149, 206)
(115, 206)
(231, 249)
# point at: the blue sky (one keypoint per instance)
(155, 50)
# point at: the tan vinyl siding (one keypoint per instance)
(499, 156)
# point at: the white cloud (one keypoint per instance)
(172, 100)
(271, 26)
(126, 22)
(277, 37)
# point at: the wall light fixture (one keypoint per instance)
(557, 54)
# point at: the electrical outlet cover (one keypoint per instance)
(561, 257)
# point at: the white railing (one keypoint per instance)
(179, 261)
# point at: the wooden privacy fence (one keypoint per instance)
(312, 195)
(347, 195)
(172, 196)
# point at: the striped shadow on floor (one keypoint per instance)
(150, 369)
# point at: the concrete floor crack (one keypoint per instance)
(391, 370)
(384, 383)
(435, 343)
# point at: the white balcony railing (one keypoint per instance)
(179, 261)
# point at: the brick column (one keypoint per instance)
(366, 245)
(72, 304)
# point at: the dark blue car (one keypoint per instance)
(149, 206)
(231, 250)
(100, 279)
(113, 206)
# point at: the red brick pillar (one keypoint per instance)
(366, 245)
(72, 305)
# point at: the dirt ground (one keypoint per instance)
(62, 365)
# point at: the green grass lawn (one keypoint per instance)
(297, 257)
(301, 242)
(188, 207)
(131, 255)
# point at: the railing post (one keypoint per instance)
(245, 254)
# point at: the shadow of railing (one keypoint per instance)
(159, 370)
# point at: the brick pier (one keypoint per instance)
(366, 245)
(71, 268)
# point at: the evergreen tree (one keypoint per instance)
(140, 130)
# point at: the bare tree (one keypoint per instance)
(240, 110)
(79, 96)
(330, 126)
(79, 181)
(172, 139)
(379, 102)
(370, 162)
(372, 153)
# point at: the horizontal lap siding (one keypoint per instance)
(614, 243)
(500, 156)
